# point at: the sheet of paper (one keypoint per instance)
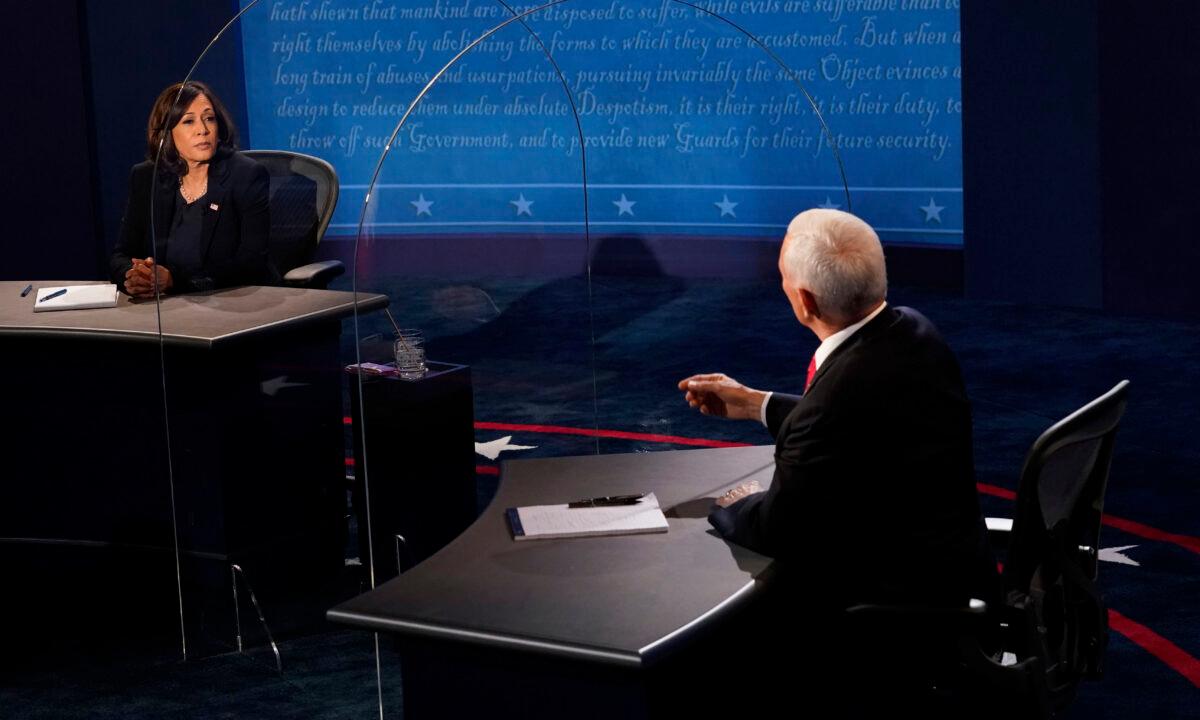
(76, 297)
(555, 521)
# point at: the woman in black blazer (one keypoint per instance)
(209, 202)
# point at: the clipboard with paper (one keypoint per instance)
(543, 522)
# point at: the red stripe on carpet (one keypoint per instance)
(486, 470)
(1152, 533)
(1168, 652)
(1142, 530)
(1132, 527)
(618, 434)
(996, 490)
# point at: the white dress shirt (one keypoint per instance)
(825, 349)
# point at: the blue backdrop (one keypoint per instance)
(690, 127)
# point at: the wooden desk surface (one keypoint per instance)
(193, 320)
(615, 600)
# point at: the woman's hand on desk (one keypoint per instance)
(139, 279)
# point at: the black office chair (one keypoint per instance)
(304, 193)
(1026, 658)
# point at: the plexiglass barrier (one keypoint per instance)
(474, 226)
(254, 369)
(544, 205)
(547, 215)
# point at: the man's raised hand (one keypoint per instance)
(720, 395)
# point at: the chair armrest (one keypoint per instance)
(999, 533)
(999, 525)
(972, 612)
(314, 275)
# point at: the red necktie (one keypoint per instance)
(812, 370)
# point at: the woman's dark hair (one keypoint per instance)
(168, 109)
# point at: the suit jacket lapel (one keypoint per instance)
(214, 202)
(864, 334)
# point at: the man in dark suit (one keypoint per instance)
(873, 495)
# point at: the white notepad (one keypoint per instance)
(540, 522)
(76, 297)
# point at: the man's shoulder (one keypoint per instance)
(905, 326)
(903, 342)
(911, 317)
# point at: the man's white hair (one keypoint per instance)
(838, 258)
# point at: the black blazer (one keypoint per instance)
(874, 492)
(235, 224)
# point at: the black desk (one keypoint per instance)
(253, 391)
(421, 436)
(577, 627)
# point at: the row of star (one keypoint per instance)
(624, 206)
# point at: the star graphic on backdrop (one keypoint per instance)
(829, 204)
(492, 449)
(522, 205)
(624, 205)
(726, 206)
(933, 211)
(1114, 555)
(422, 205)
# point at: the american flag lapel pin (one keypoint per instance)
(213, 207)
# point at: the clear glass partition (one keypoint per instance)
(546, 207)
(564, 208)
(699, 156)
(474, 224)
(254, 358)
(540, 214)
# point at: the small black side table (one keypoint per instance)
(419, 460)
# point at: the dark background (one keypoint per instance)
(1079, 144)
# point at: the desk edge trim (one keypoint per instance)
(366, 303)
(490, 639)
(369, 302)
(725, 606)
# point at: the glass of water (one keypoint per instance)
(410, 354)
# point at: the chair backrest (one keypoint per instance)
(304, 193)
(1051, 567)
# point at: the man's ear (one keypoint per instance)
(809, 301)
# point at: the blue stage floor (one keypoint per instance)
(539, 378)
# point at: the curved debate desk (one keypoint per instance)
(624, 626)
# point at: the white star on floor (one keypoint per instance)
(492, 449)
(1114, 555)
(422, 205)
(522, 206)
(624, 205)
(829, 204)
(726, 206)
(274, 385)
(933, 211)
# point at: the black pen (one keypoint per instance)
(53, 295)
(27, 289)
(607, 501)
